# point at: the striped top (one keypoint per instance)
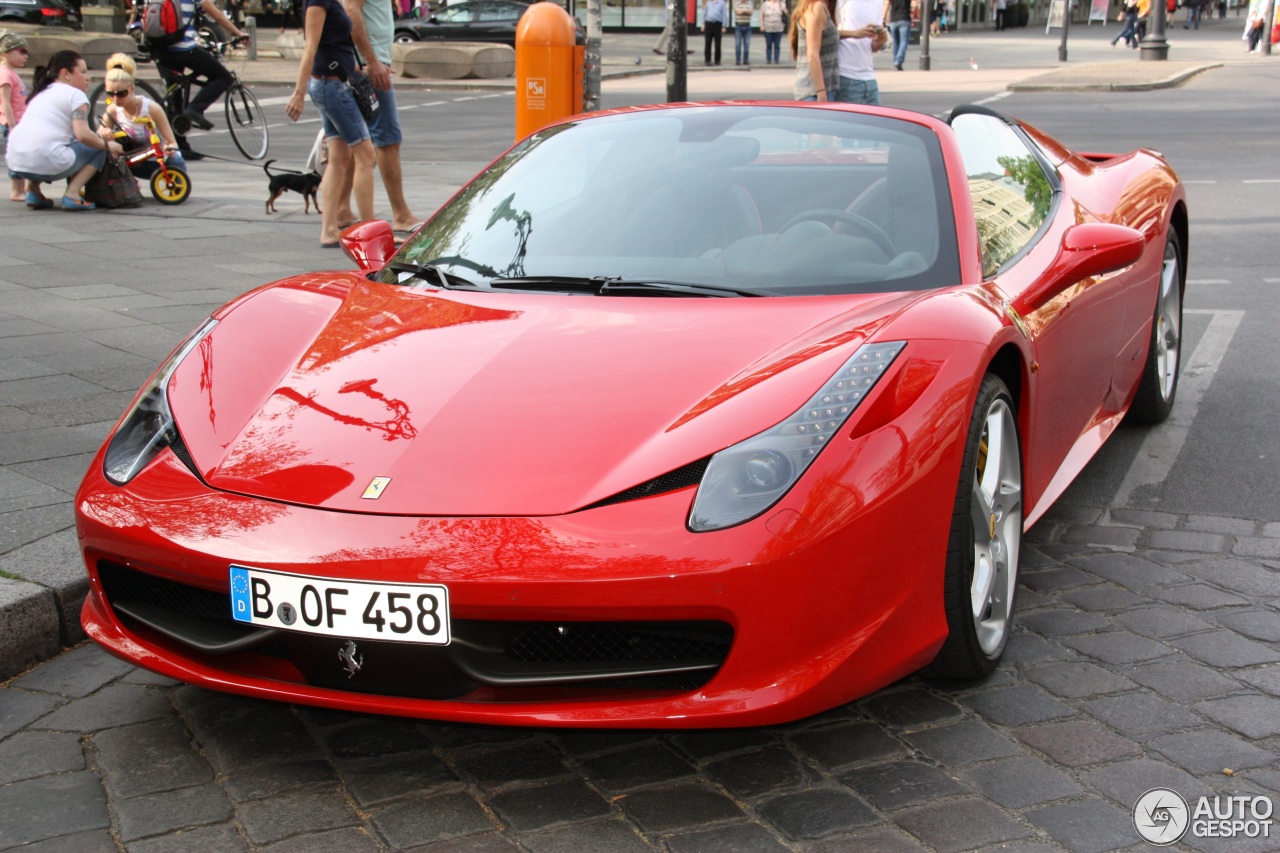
(828, 58)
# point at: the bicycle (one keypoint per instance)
(246, 121)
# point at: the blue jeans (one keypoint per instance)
(858, 91)
(384, 130)
(772, 47)
(337, 105)
(1129, 31)
(742, 44)
(85, 156)
(901, 31)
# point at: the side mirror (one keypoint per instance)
(370, 244)
(1093, 248)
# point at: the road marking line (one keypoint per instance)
(1263, 181)
(1163, 443)
(1271, 281)
(996, 97)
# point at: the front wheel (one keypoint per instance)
(170, 186)
(247, 122)
(986, 537)
(405, 37)
(1159, 385)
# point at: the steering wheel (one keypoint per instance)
(869, 229)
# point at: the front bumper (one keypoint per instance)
(785, 616)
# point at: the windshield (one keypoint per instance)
(767, 200)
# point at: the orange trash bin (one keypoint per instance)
(548, 68)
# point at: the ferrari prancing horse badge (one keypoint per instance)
(375, 488)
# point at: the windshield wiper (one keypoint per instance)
(433, 274)
(618, 287)
(566, 283)
(614, 286)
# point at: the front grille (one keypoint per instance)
(591, 657)
(124, 584)
(589, 641)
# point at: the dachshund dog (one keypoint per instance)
(306, 183)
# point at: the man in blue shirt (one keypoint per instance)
(187, 54)
(713, 20)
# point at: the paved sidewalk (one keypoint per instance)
(1022, 59)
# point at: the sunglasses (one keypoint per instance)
(123, 93)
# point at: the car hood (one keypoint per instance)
(315, 390)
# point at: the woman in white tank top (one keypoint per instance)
(132, 114)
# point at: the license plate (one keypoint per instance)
(402, 612)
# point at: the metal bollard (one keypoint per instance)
(251, 27)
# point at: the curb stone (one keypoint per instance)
(54, 563)
(28, 625)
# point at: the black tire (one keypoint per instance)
(986, 538)
(1159, 386)
(405, 37)
(247, 122)
(98, 101)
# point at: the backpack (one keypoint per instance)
(162, 23)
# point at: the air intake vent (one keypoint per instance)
(681, 478)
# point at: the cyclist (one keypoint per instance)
(187, 54)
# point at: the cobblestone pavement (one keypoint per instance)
(1146, 656)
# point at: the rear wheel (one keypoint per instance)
(1159, 385)
(171, 186)
(247, 122)
(986, 537)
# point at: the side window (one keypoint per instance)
(457, 15)
(1011, 192)
(497, 12)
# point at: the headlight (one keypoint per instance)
(744, 480)
(148, 426)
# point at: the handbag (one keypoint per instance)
(362, 88)
(366, 98)
(113, 185)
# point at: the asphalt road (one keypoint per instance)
(1148, 643)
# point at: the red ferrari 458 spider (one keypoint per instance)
(698, 415)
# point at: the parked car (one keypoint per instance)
(473, 20)
(55, 13)
(691, 415)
